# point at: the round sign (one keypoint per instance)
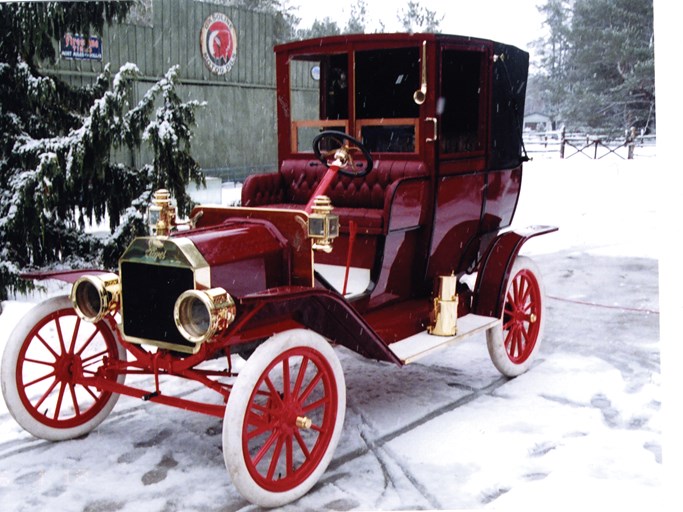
(218, 41)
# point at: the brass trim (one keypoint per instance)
(304, 422)
(146, 250)
(108, 289)
(219, 305)
(161, 213)
(445, 313)
(420, 95)
(202, 270)
(151, 248)
(323, 226)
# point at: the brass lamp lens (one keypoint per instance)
(194, 316)
(316, 226)
(94, 296)
(199, 315)
(88, 299)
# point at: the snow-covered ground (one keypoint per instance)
(582, 429)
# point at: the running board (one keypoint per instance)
(422, 344)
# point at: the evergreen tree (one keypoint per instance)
(356, 23)
(597, 63)
(56, 142)
(549, 87)
(612, 63)
(417, 18)
(286, 20)
(320, 28)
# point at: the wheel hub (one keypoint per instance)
(67, 368)
(289, 418)
(303, 422)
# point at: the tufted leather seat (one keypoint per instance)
(365, 200)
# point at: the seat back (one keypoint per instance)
(301, 177)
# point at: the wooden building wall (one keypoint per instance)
(236, 131)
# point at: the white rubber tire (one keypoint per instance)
(514, 344)
(23, 339)
(241, 413)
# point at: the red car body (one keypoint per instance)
(441, 118)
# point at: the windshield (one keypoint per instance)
(325, 89)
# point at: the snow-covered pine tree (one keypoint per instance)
(597, 64)
(56, 145)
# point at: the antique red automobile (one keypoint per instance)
(386, 230)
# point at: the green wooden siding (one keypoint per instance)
(236, 131)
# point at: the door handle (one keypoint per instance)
(436, 128)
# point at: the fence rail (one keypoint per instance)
(591, 146)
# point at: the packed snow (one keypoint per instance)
(581, 429)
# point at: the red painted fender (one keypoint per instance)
(495, 268)
(328, 314)
(68, 276)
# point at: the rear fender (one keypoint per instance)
(494, 272)
(322, 311)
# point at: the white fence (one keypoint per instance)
(567, 145)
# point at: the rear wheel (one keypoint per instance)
(284, 418)
(46, 356)
(514, 345)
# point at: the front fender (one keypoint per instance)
(322, 311)
(494, 272)
(68, 276)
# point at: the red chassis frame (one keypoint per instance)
(488, 291)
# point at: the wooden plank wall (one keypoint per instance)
(236, 130)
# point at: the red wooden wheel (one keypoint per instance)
(522, 316)
(46, 358)
(284, 418)
(514, 345)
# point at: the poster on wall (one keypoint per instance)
(218, 41)
(76, 47)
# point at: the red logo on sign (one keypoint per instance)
(219, 43)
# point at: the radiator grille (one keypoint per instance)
(148, 294)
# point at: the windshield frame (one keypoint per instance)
(388, 128)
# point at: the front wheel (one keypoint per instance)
(46, 357)
(284, 418)
(514, 345)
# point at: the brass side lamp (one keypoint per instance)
(323, 226)
(161, 214)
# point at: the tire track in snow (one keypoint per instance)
(376, 446)
(18, 446)
(373, 445)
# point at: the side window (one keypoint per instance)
(385, 82)
(460, 105)
(386, 115)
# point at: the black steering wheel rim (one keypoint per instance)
(344, 137)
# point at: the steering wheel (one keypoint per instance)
(341, 157)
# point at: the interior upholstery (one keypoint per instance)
(365, 200)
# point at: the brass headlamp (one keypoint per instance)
(200, 314)
(94, 296)
(323, 227)
(161, 214)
